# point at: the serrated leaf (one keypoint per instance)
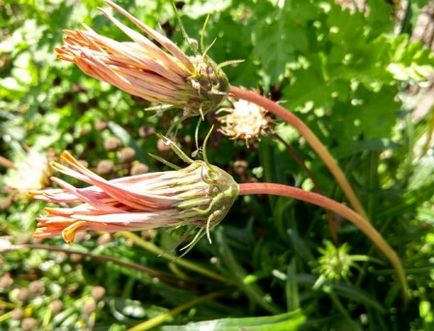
(280, 35)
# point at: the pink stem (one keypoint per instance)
(310, 137)
(331, 222)
(338, 208)
(7, 163)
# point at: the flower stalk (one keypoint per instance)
(159, 319)
(104, 258)
(7, 163)
(189, 265)
(310, 137)
(338, 208)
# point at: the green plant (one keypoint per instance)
(344, 74)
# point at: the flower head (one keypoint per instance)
(245, 120)
(31, 172)
(335, 262)
(150, 66)
(199, 195)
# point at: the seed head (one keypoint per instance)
(244, 120)
(31, 172)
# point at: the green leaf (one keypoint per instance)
(281, 35)
(283, 322)
(198, 8)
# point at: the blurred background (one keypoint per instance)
(359, 73)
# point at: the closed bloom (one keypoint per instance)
(198, 195)
(150, 66)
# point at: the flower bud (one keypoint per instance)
(199, 195)
(17, 314)
(104, 167)
(36, 287)
(6, 281)
(100, 125)
(150, 66)
(112, 144)
(138, 169)
(29, 324)
(23, 295)
(89, 307)
(127, 154)
(98, 293)
(56, 306)
(209, 84)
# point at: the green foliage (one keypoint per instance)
(288, 322)
(346, 74)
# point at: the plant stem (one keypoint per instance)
(151, 272)
(157, 320)
(343, 310)
(240, 275)
(5, 316)
(175, 259)
(310, 137)
(317, 188)
(338, 208)
(6, 163)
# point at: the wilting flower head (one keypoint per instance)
(199, 195)
(245, 120)
(160, 73)
(30, 173)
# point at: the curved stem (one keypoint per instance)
(317, 188)
(157, 320)
(338, 208)
(150, 247)
(7, 163)
(310, 137)
(130, 265)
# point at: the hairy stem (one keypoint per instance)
(310, 137)
(338, 208)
